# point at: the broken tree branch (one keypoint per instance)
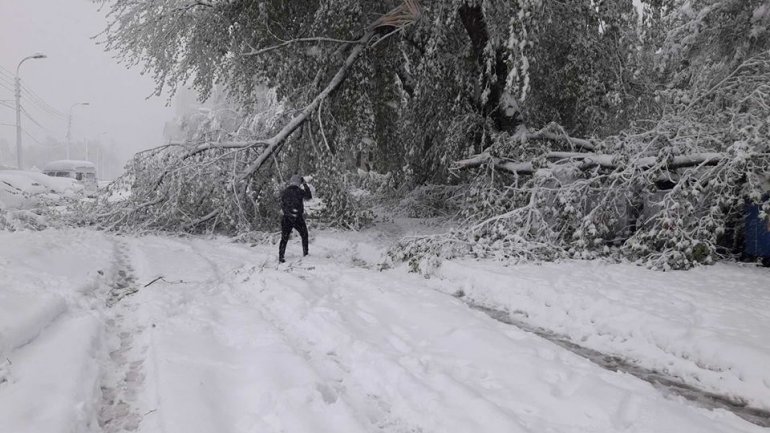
(586, 161)
(554, 131)
(256, 52)
(274, 143)
(485, 159)
(405, 14)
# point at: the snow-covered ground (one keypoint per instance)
(709, 327)
(157, 334)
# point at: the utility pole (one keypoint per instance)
(19, 156)
(18, 119)
(69, 125)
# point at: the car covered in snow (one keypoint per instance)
(82, 171)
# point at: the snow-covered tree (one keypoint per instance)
(670, 188)
(560, 121)
(415, 85)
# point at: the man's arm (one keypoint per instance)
(307, 193)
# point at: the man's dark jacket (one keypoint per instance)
(292, 200)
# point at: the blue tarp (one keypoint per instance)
(757, 233)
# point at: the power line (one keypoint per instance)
(6, 71)
(32, 95)
(41, 101)
(32, 137)
(46, 109)
(28, 115)
(39, 125)
(25, 132)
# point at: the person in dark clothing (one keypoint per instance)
(294, 214)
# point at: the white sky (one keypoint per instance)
(76, 70)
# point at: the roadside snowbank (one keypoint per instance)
(53, 383)
(28, 189)
(24, 315)
(26, 196)
(708, 326)
(50, 330)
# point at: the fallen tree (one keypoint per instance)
(662, 208)
(678, 138)
(671, 195)
(168, 186)
(586, 161)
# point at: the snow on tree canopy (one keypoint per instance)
(487, 95)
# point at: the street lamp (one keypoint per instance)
(69, 125)
(18, 106)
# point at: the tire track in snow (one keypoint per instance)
(336, 383)
(123, 375)
(659, 380)
(370, 397)
(336, 379)
(328, 384)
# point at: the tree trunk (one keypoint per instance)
(504, 119)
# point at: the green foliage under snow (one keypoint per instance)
(458, 79)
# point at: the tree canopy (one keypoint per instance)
(424, 88)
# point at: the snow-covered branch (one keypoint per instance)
(274, 143)
(587, 161)
(256, 52)
(554, 131)
(485, 159)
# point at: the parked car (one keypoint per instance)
(82, 171)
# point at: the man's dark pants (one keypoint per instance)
(287, 224)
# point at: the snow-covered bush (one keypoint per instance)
(341, 208)
(430, 201)
(610, 208)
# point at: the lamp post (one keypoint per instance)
(69, 125)
(18, 107)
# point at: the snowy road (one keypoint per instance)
(223, 340)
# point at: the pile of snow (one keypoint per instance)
(707, 326)
(27, 189)
(50, 330)
(25, 195)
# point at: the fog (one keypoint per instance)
(120, 118)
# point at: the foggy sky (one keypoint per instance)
(76, 70)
